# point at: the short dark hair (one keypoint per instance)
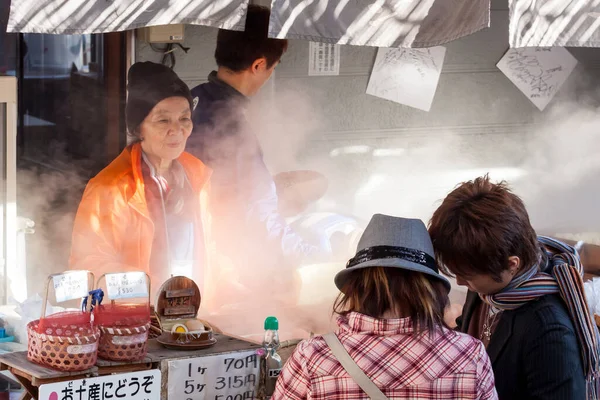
(480, 225)
(237, 50)
(373, 291)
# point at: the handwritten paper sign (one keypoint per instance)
(323, 59)
(126, 285)
(143, 385)
(407, 76)
(538, 72)
(70, 285)
(231, 376)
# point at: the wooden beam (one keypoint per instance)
(114, 78)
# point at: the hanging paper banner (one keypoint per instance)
(92, 16)
(381, 23)
(554, 23)
(407, 76)
(538, 72)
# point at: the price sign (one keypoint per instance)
(143, 385)
(232, 376)
(70, 285)
(126, 285)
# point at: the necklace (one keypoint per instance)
(489, 323)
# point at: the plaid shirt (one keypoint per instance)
(448, 365)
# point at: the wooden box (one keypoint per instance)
(177, 305)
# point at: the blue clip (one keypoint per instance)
(97, 297)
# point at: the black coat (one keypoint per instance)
(534, 351)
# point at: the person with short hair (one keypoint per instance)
(249, 231)
(394, 342)
(526, 300)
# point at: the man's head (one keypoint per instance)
(482, 235)
(250, 54)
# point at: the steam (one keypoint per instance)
(553, 165)
(562, 184)
(49, 198)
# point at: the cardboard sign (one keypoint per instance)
(142, 385)
(220, 377)
(126, 285)
(70, 285)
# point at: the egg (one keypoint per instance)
(194, 325)
(179, 328)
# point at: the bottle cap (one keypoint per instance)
(271, 323)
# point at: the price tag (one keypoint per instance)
(70, 286)
(126, 285)
(231, 376)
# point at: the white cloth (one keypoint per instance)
(96, 16)
(381, 23)
(554, 23)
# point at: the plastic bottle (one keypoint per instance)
(272, 359)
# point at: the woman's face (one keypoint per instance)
(166, 129)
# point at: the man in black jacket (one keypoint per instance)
(482, 235)
(248, 229)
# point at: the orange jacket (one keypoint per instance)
(113, 230)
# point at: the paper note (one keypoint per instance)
(323, 59)
(126, 285)
(71, 285)
(224, 376)
(538, 72)
(143, 385)
(407, 76)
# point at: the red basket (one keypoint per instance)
(124, 329)
(124, 344)
(64, 348)
(65, 341)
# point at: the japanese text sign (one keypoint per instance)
(538, 72)
(126, 285)
(143, 385)
(70, 285)
(231, 376)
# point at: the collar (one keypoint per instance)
(176, 169)
(227, 90)
(356, 323)
(196, 173)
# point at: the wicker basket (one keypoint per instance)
(124, 344)
(67, 348)
(62, 346)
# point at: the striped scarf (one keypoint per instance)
(562, 274)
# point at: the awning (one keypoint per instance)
(98, 16)
(550, 23)
(381, 23)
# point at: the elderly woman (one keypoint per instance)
(392, 341)
(145, 211)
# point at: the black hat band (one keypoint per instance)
(383, 252)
